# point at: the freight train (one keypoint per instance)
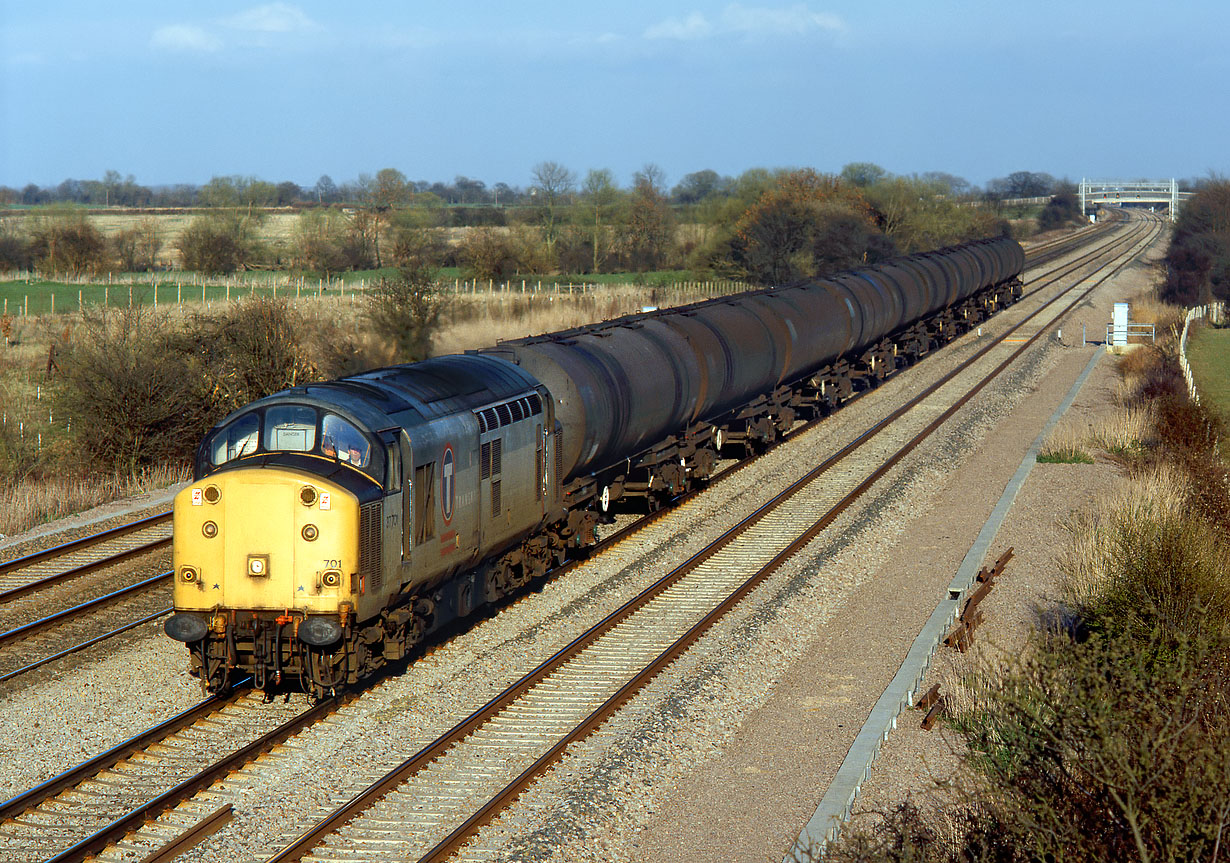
(330, 528)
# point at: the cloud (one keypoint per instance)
(688, 29)
(259, 25)
(748, 22)
(272, 18)
(185, 37)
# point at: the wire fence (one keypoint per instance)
(1215, 312)
(192, 288)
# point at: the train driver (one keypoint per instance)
(341, 440)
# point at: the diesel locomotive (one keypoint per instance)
(330, 528)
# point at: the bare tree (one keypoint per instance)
(554, 185)
(601, 197)
(652, 176)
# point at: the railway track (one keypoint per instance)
(435, 802)
(36, 636)
(80, 812)
(63, 599)
(184, 754)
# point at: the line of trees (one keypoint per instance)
(391, 187)
(762, 226)
(1198, 261)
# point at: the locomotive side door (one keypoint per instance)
(393, 513)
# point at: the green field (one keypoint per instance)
(38, 296)
(1209, 353)
(35, 296)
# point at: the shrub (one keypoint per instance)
(142, 392)
(404, 312)
(65, 242)
(490, 253)
(1062, 209)
(136, 249)
(14, 248)
(1198, 260)
(1082, 752)
(219, 243)
(134, 399)
(251, 349)
(1098, 752)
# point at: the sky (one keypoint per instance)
(177, 92)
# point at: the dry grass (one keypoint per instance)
(1127, 431)
(1148, 309)
(1124, 432)
(1161, 494)
(1068, 443)
(32, 502)
(480, 320)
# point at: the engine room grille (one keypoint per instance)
(369, 545)
(497, 456)
(496, 501)
(484, 460)
(539, 463)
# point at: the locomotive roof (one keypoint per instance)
(431, 388)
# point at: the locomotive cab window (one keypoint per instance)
(236, 440)
(344, 442)
(290, 428)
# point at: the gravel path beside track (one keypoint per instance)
(762, 780)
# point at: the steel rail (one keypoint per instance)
(92, 845)
(83, 569)
(211, 824)
(76, 648)
(77, 610)
(306, 841)
(76, 775)
(82, 542)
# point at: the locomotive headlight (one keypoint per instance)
(209, 529)
(258, 565)
(307, 495)
(188, 574)
(331, 578)
(310, 532)
(212, 493)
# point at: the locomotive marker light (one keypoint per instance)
(258, 565)
(209, 529)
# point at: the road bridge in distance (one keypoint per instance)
(1132, 193)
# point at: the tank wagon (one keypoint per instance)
(331, 527)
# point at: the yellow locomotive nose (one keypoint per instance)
(264, 539)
